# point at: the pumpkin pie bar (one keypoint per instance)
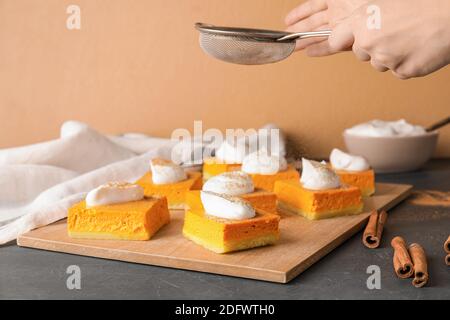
(129, 220)
(317, 204)
(353, 170)
(223, 235)
(213, 166)
(318, 195)
(174, 187)
(236, 183)
(265, 169)
(364, 180)
(228, 157)
(267, 182)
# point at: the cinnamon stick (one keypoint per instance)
(447, 249)
(419, 260)
(447, 245)
(374, 229)
(403, 265)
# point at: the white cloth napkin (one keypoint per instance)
(40, 182)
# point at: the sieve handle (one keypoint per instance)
(304, 35)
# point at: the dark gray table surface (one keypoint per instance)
(36, 274)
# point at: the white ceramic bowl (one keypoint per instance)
(393, 154)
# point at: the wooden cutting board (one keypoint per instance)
(301, 244)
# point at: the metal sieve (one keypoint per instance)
(250, 46)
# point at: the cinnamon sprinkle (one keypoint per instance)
(430, 198)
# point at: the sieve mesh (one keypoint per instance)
(244, 50)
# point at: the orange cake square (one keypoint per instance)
(317, 204)
(175, 192)
(267, 182)
(224, 235)
(353, 170)
(261, 199)
(364, 180)
(212, 167)
(135, 220)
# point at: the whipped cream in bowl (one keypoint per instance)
(318, 176)
(165, 172)
(391, 146)
(233, 183)
(226, 206)
(341, 160)
(114, 192)
(380, 128)
(231, 153)
(261, 162)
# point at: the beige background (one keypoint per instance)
(137, 66)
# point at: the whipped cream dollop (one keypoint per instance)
(261, 162)
(233, 183)
(231, 153)
(164, 172)
(114, 192)
(345, 161)
(380, 128)
(226, 206)
(318, 176)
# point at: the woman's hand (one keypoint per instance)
(314, 15)
(413, 38)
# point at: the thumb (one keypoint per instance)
(341, 38)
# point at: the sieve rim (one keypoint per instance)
(256, 34)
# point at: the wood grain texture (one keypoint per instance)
(301, 244)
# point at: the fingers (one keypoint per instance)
(304, 43)
(305, 10)
(341, 38)
(363, 55)
(404, 70)
(378, 66)
(320, 49)
(309, 16)
(310, 23)
(316, 22)
(360, 53)
(400, 76)
(348, 34)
